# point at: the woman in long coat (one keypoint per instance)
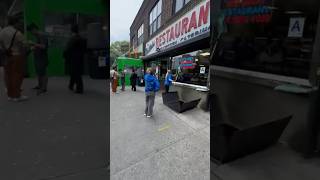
(114, 81)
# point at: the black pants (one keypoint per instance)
(41, 70)
(43, 82)
(133, 87)
(167, 88)
(76, 79)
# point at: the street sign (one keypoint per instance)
(296, 27)
(202, 70)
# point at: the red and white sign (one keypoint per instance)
(193, 24)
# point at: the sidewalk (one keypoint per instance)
(169, 146)
(57, 136)
(276, 163)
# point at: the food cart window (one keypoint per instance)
(272, 36)
(192, 68)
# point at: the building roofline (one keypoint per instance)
(141, 10)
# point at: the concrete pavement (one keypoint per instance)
(275, 163)
(169, 146)
(58, 136)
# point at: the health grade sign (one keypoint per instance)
(191, 25)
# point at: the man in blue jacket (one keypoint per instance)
(152, 85)
(168, 81)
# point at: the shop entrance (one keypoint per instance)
(160, 66)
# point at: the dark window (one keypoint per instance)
(155, 18)
(272, 36)
(140, 35)
(134, 41)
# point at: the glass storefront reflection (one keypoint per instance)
(268, 36)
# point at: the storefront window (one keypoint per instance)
(272, 36)
(155, 18)
(192, 68)
(140, 35)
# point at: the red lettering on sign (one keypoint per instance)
(193, 21)
(246, 19)
(164, 37)
(157, 42)
(168, 35)
(178, 30)
(172, 34)
(204, 14)
(185, 22)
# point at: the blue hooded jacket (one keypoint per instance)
(151, 83)
(168, 80)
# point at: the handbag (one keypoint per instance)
(8, 51)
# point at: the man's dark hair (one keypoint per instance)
(75, 29)
(32, 26)
(12, 20)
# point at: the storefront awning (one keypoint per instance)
(198, 43)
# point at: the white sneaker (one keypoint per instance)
(149, 116)
(145, 114)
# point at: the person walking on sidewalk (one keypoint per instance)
(40, 54)
(168, 81)
(123, 80)
(152, 85)
(133, 80)
(13, 43)
(114, 81)
(74, 55)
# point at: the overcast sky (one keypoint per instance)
(122, 15)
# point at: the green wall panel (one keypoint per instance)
(122, 62)
(34, 12)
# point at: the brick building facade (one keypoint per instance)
(172, 34)
(168, 16)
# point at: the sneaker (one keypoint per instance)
(145, 114)
(41, 92)
(10, 99)
(36, 88)
(21, 98)
(149, 116)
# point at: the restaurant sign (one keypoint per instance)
(186, 62)
(193, 24)
(247, 11)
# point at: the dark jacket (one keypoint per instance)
(133, 78)
(74, 54)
